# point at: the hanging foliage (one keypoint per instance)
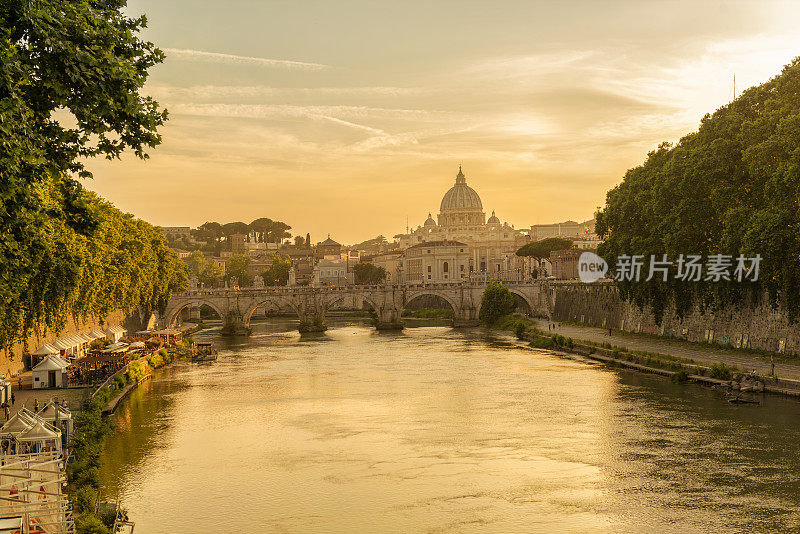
(123, 264)
(731, 188)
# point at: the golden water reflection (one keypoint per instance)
(441, 430)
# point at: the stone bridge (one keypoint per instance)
(236, 306)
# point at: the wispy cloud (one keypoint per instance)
(211, 92)
(216, 57)
(265, 111)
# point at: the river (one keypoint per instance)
(441, 430)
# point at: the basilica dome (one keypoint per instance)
(461, 196)
(430, 222)
(461, 206)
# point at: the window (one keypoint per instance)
(446, 267)
(462, 268)
(483, 266)
(429, 277)
(429, 269)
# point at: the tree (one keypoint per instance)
(182, 242)
(231, 228)
(367, 273)
(210, 275)
(238, 271)
(541, 249)
(299, 241)
(262, 227)
(730, 188)
(374, 244)
(497, 301)
(278, 232)
(278, 272)
(271, 231)
(203, 269)
(84, 61)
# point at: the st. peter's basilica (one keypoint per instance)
(462, 219)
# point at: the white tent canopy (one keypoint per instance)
(76, 341)
(97, 334)
(115, 330)
(48, 413)
(61, 344)
(15, 425)
(38, 432)
(51, 363)
(46, 349)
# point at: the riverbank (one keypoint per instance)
(715, 369)
(93, 425)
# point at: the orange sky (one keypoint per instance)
(347, 117)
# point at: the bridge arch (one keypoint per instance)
(279, 302)
(171, 313)
(333, 301)
(411, 296)
(520, 297)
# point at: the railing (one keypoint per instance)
(288, 290)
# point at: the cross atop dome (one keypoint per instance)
(460, 179)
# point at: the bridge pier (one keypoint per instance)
(233, 324)
(465, 317)
(388, 318)
(311, 311)
(312, 324)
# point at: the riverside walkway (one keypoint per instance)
(746, 361)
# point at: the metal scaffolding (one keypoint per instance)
(32, 497)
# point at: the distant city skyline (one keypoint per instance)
(347, 118)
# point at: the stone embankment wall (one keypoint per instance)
(599, 304)
(11, 362)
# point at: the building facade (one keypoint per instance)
(435, 262)
(329, 247)
(566, 229)
(332, 271)
(391, 262)
(564, 263)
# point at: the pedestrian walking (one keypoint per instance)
(772, 365)
(36, 405)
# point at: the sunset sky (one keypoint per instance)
(346, 117)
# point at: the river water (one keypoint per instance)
(442, 430)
